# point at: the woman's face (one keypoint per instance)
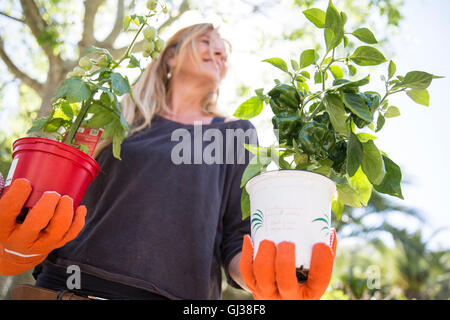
(213, 65)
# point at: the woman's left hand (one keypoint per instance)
(272, 275)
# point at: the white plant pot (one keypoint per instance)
(291, 205)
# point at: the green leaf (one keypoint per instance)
(54, 125)
(100, 119)
(345, 42)
(346, 195)
(257, 150)
(97, 50)
(365, 35)
(338, 208)
(392, 69)
(37, 124)
(417, 80)
(294, 65)
(392, 112)
(364, 136)
(346, 84)
(337, 72)
(357, 105)
(115, 131)
(420, 96)
(84, 148)
(352, 70)
(73, 90)
(134, 62)
(334, 23)
(362, 185)
(330, 38)
(305, 74)
(118, 138)
(354, 154)
(372, 163)
(126, 23)
(391, 183)
(249, 108)
(367, 56)
(307, 58)
(344, 17)
(278, 62)
(317, 77)
(316, 16)
(252, 170)
(67, 110)
(336, 111)
(325, 167)
(245, 204)
(380, 122)
(119, 83)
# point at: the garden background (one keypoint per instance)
(392, 249)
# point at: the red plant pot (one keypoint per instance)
(51, 166)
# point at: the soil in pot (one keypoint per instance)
(302, 274)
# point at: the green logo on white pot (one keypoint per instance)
(327, 223)
(257, 221)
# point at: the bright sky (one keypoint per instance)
(418, 141)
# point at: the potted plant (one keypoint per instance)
(85, 107)
(326, 149)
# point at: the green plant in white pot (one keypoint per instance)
(326, 149)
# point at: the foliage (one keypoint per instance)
(322, 130)
(90, 96)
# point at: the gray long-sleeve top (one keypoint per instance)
(164, 226)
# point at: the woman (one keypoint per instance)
(165, 219)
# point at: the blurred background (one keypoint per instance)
(392, 249)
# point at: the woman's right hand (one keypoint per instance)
(50, 224)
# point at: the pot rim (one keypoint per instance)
(61, 145)
(299, 172)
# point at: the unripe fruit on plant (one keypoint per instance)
(159, 44)
(154, 55)
(164, 9)
(102, 62)
(85, 63)
(149, 46)
(70, 75)
(146, 54)
(151, 4)
(78, 72)
(149, 33)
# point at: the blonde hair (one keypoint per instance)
(152, 89)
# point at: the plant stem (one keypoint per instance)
(324, 72)
(315, 111)
(74, 128)
(127, 53)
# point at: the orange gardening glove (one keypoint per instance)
(272, 275)
(50, 224)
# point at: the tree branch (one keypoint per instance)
(36, 85)
(90, 10)
(11, 17)
(36, 23)
(117, 28)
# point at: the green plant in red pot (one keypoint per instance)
(325, 119)
(85, 108)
